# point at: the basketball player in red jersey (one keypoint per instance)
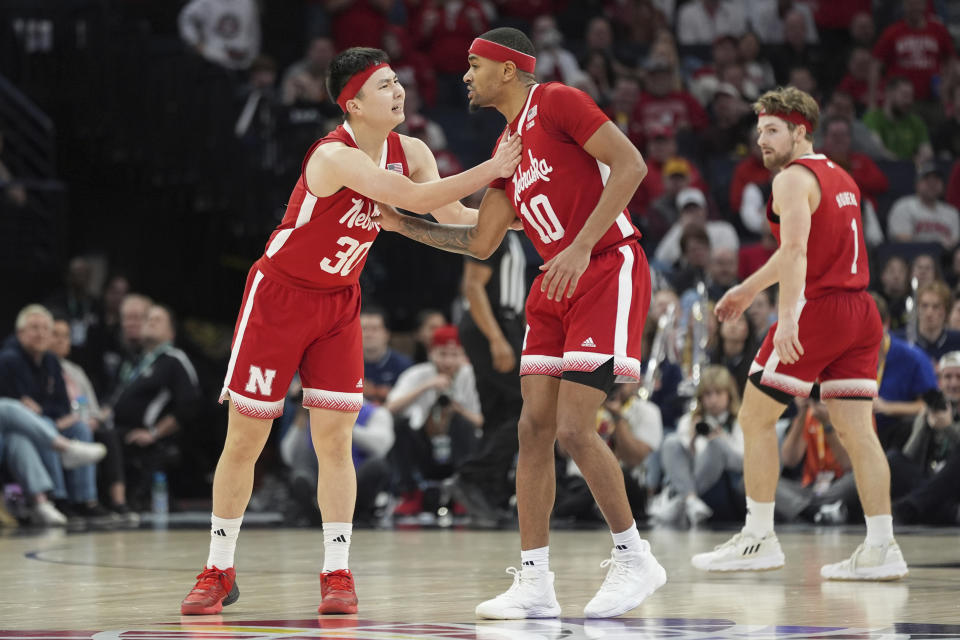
(300, 312)
(585, 312)
(828, 331)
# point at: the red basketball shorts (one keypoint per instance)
(604, 319)
(284, 329)
(840, 334)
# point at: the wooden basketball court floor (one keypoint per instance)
(425, 584)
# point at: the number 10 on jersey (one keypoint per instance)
(543, 218)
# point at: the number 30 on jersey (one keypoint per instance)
(542, 219)
(347, 259)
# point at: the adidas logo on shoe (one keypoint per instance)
(340, 538)
(221, 533)
(751, 549)
(588, 343)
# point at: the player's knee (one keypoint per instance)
(532, 430)
(573, 438)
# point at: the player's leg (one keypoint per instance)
(879, 557)
(266, 348)
(232, 486)
(532, 594)
(334, 395)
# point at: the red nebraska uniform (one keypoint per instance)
(554, 191)
(302, 301)
(839, 326)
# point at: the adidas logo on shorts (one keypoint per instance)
(360, 383)
(588, 343)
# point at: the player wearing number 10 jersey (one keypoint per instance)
(585, 312)
(828, 331)
(300, 312)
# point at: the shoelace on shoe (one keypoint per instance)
(339, 581)
(209, 577)
(616, 574)
(853, 560)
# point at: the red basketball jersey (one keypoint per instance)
(322, 243)
(836, 252)
(557, 184)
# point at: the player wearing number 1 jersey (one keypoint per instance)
(585, 312)
(828, 332)
(300, 312)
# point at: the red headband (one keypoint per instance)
(501, 53)
(353, 86)
(794, 117)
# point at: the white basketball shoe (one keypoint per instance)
(632, 577)
(868, 562)
(530, 596)
(742, 552)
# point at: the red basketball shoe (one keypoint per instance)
(215, 589)
(337, 592)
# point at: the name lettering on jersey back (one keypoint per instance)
(846, 199)
(522, 180)
(357, 217)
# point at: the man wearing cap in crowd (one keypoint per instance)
(301, 313)
(692, 205)
(924, 217)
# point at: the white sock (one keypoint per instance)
(223, 541)
(879, 530)
(336, 545)
(759, 518)
(627, 541)
(536, 559)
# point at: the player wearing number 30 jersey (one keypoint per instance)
(301, 312)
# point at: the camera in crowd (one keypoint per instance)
(935, 400)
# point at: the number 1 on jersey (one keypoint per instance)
(856, 246)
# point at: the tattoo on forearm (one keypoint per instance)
(449, 237)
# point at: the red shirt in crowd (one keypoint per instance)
(953, 186)
(445, 31)
(914, 53)
(830, 14)
(358, 25)
(678, 109)
(749, 170)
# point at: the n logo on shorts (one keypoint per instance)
(260, 381)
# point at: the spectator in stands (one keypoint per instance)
(768, 20)
(224, 32)
(445, 30)
(736, 348)
(933, 336)
(693, 259)
(667, 173)
(872, 181)
(796, 50)
(525, 12)
(692, 207)
(256, 124)
(154, 402)
(863, 139)
(623, 102)
(804, 78)
(925, 269)
(924, 217)
(29, 372)
(946, 141)
(904, 374)
(661, 104)
(437, 414)
(13, 191)
(732, 121)
(133, 315)
(856, 82)
(915, 47)
(758, 69)
(700, 22)
(708, 444)
(305, 81)
(953, 185)
(902, 132)
(381, 364)
(895, 289)
(358, 23)
(598, 39)
(428, 321)
(704, 82)
(104, 340)
(84, 402)
(750, 187)
(763, 313)
(554, 62)
(934, 441)
(413, 68)
(76, 303)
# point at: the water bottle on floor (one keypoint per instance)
(159, 498)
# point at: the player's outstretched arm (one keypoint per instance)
(342, 166)
(479, 240)
(423, 169)
(792, 189)
(627, 169)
